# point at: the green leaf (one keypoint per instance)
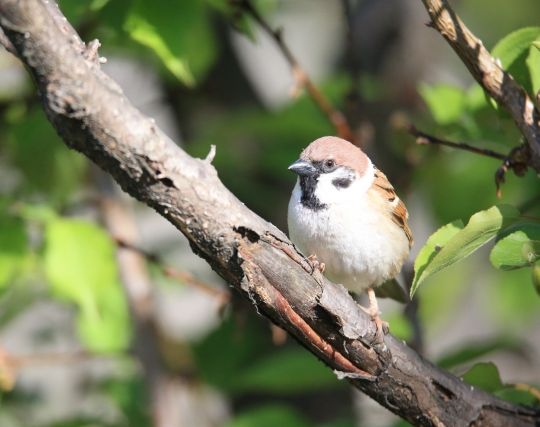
(80, 266)
(533, 66)
(180, 36)
(481, 228)
(520, 247)
(432, 247)
(514, 50)
(521, 397)
(475, 350)
(269, 416)
(285, 372)
(446, 103)
(13, 249)
(485, 376)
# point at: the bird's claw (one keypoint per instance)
(316, 264)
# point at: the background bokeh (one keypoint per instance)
(208, 74)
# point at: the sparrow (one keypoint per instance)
(345, 214)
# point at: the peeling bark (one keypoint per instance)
(92, 115)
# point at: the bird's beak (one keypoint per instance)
(301, 167)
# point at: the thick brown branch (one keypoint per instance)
(92, 115)
(302, 79)
(488, 72)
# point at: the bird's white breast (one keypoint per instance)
(360, 246)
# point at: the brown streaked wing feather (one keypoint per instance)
(399, 211)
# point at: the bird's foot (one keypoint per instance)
(316, 264)
(382, 327)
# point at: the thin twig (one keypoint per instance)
(52, 358)
(487, 71)
(517, 160)
(168, 271)
(302, 79)
(424, 138)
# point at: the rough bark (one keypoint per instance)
(489, 73)
(92, 115)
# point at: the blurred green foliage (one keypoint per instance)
(50, 250)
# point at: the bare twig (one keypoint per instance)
(248, 252)
(19, 361)
(488, 72)
(302, 79)
(182, 276)
(424, 138)
(11, 364)
(517, 160)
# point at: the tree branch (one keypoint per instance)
(300, 76)
(93, 116)
(488, 72)
(517, 160)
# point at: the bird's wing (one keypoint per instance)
(382, 186)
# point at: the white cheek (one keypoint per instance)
(328, 193)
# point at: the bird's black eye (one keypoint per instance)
(329, 164)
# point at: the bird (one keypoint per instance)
(347, 218)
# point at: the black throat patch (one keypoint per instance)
(308, 184)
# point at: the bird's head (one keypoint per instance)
(331, 171)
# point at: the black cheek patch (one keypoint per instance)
(342, 182)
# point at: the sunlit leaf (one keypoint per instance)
(520, 247)
(432, 247)
(533, 66)
(481, 228)
(446, 103)
(484, 375)
(514, 52)
(269, 416)
(81, 268)
(180, 35)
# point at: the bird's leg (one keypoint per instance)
(316, 264)
(373, 311)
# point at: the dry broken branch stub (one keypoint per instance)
(252, 255)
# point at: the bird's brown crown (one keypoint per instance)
(342, 152)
